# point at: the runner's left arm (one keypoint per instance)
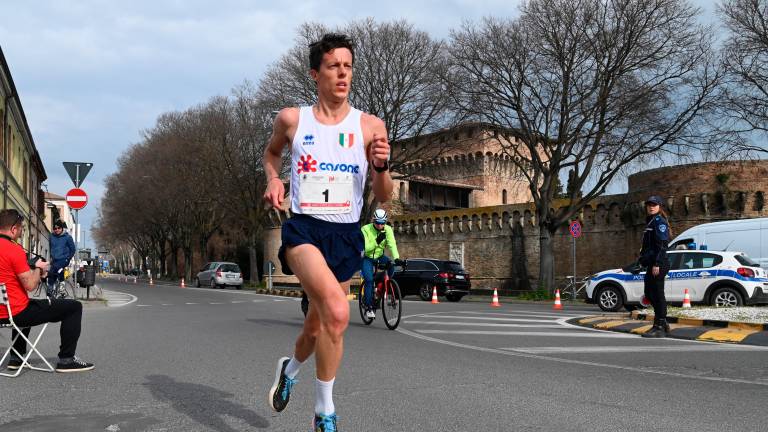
(378, 154)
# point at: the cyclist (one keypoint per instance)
(378, 236)
(62, 251)
(332, 147)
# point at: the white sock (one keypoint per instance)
(293, 368)
(324, 397)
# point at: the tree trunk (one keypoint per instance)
(161, 248)
(546, 259)
(188, 270)
(253, 258)
(174, 265)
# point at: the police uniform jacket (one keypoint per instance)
(655, 243)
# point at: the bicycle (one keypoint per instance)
(63, 289)
(386, 296)
(573, 288)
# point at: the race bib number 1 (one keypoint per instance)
(324, 193)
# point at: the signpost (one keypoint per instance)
(575, 229)
(77, 198)
(77, 172)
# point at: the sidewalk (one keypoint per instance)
(681, 328)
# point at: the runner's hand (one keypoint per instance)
(275, 193)
(379, 150)
(655, 270)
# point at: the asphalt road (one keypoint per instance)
(173, 359)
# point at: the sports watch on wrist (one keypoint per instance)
(381, 169)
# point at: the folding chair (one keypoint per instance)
(31, 346)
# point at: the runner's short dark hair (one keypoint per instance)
(328, 43)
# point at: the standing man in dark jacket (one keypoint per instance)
(653, 256)
(62, 251)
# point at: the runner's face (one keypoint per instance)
(335, 74)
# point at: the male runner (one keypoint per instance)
(331, 147)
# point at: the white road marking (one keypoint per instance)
(190, 303)
(119, 299)
(238, 301)
(215, 303)
(522, 313)
(570, 361)
(258, 301)
(630, 349)
(477, 324)
(493, 319)
(143, 305)
(166, 304)
(528, 333)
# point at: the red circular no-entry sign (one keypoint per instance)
(77, 198)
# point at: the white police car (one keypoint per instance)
(712, 277)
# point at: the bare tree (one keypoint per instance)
(244, 122)
(396, 77)
(585, 87)
(745, 56)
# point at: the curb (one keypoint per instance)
(680, 328)
(703, 322)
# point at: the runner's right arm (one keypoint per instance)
(283, 129)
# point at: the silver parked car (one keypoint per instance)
(220, 275)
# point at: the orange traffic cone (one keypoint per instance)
(434, 295)
(558, 305)
(495, 301)
(182, 283)
(686, 299)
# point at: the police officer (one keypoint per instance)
(653, 256)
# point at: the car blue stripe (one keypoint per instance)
(681, 275)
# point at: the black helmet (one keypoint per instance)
(59, 224)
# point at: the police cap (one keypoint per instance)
(654, 199)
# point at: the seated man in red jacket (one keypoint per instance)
(19, 280)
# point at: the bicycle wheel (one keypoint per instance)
(361, 306)
(392, 305)
(68, 290)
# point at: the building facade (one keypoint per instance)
(21, 169)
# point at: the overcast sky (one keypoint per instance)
(92, 74)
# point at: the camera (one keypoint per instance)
(32, 261)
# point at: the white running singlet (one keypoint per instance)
(328, 168)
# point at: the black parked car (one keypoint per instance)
(422, 274)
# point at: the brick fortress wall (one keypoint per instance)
(499, 245)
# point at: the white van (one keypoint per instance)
(745, 235)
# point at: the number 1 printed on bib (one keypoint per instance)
(324, 193)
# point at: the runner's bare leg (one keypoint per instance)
(328, 315)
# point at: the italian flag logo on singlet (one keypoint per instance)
(346, 140)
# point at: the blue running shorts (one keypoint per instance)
(341, 244)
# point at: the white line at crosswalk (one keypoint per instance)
(521, 313)
(480, 324)
(629, 349)
(492, 319)
(570, 334)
